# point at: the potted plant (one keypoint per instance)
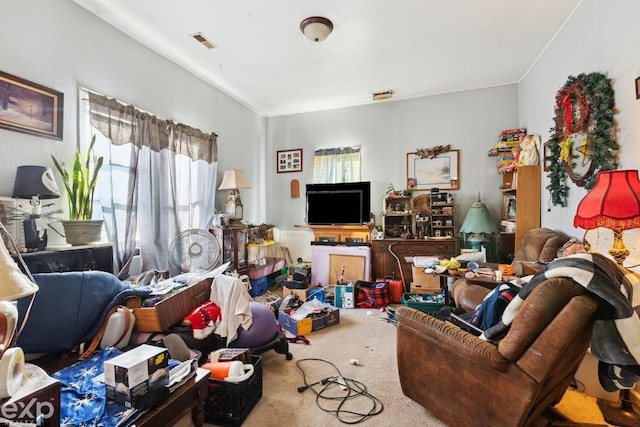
(80, 184)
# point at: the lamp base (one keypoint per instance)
(622, 413)
(33, 241)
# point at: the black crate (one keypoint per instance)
(230, 403)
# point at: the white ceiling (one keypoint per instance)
(412, 47)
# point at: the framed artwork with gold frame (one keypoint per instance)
(441, 171)
(30, 108)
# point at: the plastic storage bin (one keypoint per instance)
(426, 303)
(230, 403)
(258, 287)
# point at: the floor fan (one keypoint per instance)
(195, 250)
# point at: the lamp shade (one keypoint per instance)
(316, 28)
(13, 283)
(35, 181)
(613, 203)
(232, 180)
(478, 220)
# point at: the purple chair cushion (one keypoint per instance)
(262, 331)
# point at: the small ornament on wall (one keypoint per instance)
(295, 189)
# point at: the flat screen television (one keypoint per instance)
(346, 203)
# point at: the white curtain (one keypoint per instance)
(334, 165)
(158, 179)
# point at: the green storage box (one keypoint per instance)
(426, 303)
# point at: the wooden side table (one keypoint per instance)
(188, 398)
(36, 402)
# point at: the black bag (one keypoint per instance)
(372, 294)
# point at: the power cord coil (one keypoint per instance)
(341, 396)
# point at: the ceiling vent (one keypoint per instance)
(204, 41)
(378, 96)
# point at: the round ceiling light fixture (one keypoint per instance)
(316, 28)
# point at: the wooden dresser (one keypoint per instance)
(384, 263)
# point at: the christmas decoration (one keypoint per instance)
(584, 106)
(431, 153)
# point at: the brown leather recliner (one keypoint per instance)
(538, 244)
(466, 381)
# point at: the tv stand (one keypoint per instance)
(340, 233)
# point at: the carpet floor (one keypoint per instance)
(363, 336)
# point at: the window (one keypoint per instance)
(158, 179)
(335, 165)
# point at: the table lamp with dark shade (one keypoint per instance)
(613, 203)
(35, 183)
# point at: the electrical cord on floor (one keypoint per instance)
(334, 393)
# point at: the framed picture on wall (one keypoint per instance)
(30, 108)
(289, 161)
(440, 172)
(547, 155)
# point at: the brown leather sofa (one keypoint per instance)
(467, 381)
(538, 245)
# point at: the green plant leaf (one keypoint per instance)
(80, 183)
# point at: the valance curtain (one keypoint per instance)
(158, 179)
(334, 165)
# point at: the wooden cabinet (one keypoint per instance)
(398, 218)
(388, 256)
(340, 233)
(520, 207)
(442, 216)
(235, 246)
(73, 258)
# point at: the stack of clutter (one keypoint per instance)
(508, 140)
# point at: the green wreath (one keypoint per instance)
(585, 104)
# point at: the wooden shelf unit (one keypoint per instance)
(521, 203)
(398, 217)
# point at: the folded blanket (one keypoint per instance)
(615, 339)
(70, 308)
(83, 400)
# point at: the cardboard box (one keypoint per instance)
(296, 327)
(301, 294)
(308, 324)
(421, 289)
(426, 281)
(344, 296)
(135, 373)
(332, 317)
